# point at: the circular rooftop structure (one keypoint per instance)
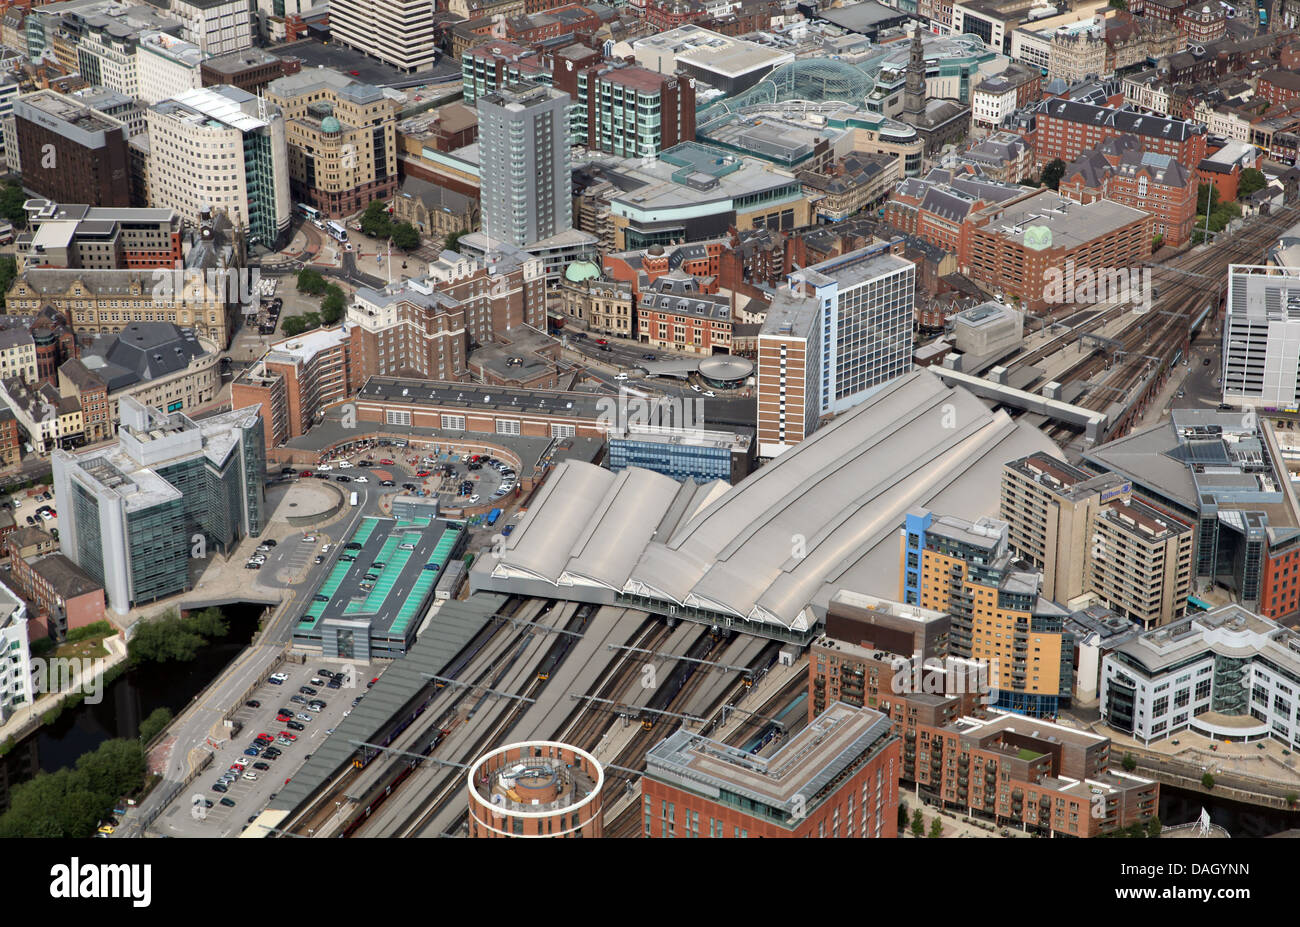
(538, 788)
(726, 370)
(579, 271)
(330, 124)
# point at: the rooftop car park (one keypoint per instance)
(373, 603)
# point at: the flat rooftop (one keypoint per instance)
(792, 780)
(711, 51)
(485, 398)
(1070, 224)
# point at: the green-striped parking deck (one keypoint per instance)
(367, 528)
(394, 562)
(427, 578)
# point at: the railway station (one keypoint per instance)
(374, 599)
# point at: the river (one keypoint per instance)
(126, 702)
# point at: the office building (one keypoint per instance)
(1224, 474)
(249, 69)
(1261, 337)
(1067, 128)
(166, 66)
(341, 138)
(156, 363)
(294, 381)
(133, 512)
(71, 152)
(63, 596)
(98, 238)
(244, 136)
(1228, 674)
(524, 164)
(1122, 171)
(536, 789)
(674, 313)
(1042, 777)
(682, 453)
(10, 440)
(837, 777)
(1140, 562)
(867, 299)
(16, 683)
(998, 614)
(399, 32)
(49, 420)
(94, 301)
(216, 27)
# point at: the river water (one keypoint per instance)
(126, 702)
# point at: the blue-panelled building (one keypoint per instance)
(683, 454)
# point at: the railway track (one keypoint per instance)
(1158, 334)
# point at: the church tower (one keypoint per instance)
(914, 82)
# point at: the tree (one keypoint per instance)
(1251, 180)
(311, 282)
(1154, 827)
(1207, 781)
(1206, 190)
(375, 221)
(12, 198)
(155, 724)
(71, 802)
(1053, 173)
(405, 236)
(1130, 762)
(1118, 5)
(1291, 797)
(8, 270)
(936, 827)
(918, 823)
(172, 637)
(333, 305)
(902, 815)
(452, 241)
(1157, 241)
(297, 324)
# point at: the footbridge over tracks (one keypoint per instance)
(1093, 423)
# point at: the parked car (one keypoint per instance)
(228, 802)
(252, 703)
(306, 690)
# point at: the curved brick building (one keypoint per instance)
(536, 789)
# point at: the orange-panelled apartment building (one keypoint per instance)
(837, 777)
(998, 614)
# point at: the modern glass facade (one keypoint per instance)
(680, 461)
(159, 542)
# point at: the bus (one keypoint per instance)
(354, 499)
(493, 516)
(308, 211)
(337, 231)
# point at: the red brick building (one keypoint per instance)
(1066, 129)
(663, 15)
(10, 441)
(64, 596)
(1011, 246)
(1201, 23)
(1023, 771)
(1278, 86)
(677, 311)
(838, 777)
(1122, 172)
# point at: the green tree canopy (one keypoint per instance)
(72, 802)
(8, 270)
(297, 324)
(155, 724)
(452, 241)
(333, 305)
(375, 221)
(12, 198)
(1053, 173)
(172, 637)
(405, 236)
(311, 282)
(1251, 180)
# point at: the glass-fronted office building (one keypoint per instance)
(169, 491)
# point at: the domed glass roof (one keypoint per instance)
(330, 124)
(579, 271)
